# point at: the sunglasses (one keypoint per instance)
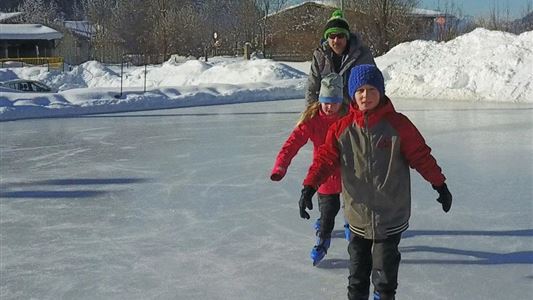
(336, 35)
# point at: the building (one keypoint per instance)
(76, 45)
(432, 24)
(28, 40)
(293, 33)
(5, 17)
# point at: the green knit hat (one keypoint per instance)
(337, 24)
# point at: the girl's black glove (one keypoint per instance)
(306, 201)
(445, 197)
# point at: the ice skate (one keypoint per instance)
(320, 250)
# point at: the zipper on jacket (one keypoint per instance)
(346, 64)
(369, 174)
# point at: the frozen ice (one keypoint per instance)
(177, 204)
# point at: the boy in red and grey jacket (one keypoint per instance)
(313, 125)
(374, 146)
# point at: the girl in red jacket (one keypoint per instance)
(313, 125)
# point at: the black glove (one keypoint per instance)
(306, 201)
(445, 197)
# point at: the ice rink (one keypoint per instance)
(177, 204)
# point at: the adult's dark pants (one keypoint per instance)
(379, 258)
(329, 206)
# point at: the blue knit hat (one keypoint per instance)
(366, 74)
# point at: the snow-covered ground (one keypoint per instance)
(480, 66)
(177, 204)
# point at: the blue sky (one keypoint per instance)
(481, 7)
(475, 7)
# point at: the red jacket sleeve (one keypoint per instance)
(325, 162)
(416, 151)
(298, 138)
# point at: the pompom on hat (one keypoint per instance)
(366, 74)
(337, 24)
(331, 89)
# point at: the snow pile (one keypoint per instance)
(177, 71)
(89, 74)
(94, 88)
(481, 65)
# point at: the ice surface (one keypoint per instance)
(176, 204)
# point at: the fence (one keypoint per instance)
(56, 62)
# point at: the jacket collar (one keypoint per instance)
(373, 116)
(325, 117)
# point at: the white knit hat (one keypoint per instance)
(331, 89)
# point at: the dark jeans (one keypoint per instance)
(329, 206)
(380, 258)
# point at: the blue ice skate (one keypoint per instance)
(316, 226)
(381, 296)
(347, 231)
(320, 250)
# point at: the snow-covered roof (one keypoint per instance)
(5, 16)
(28, 32)
(325, 3)
(333, 4)
(82, 28)
(427, 12)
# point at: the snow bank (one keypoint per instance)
(94, 88)
(177, 71)
(481, 65)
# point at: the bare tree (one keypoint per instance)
(267, 7)
(39, 12)
(388, 23)
(161, 17)
(106, 40)
(188, 23)
(233, 21)
(131, 26)
(248, 23)
(527, 8)
(453, 13)
(499, 18)
(78, 12)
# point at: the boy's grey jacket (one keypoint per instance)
(375, 151)
(322, 64)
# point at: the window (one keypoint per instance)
(24, 86)
(39, 87)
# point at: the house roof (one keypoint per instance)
(5, 16)
(427, 12)
(421, 12)
(82, 28)
(28, 32)
(325, 4)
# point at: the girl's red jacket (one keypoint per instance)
(315, 130)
